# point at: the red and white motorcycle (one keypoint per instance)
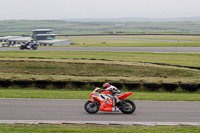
(104, 102)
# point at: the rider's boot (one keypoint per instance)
(116, 100)
(113, 103)
(115, 109)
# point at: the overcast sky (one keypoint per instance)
(70, 9)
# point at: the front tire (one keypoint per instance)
(34, 47)
(128, 106)
(91, 107)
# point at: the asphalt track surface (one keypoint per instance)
(73, 110)
(117, 49)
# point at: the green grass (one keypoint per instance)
(96, 70)
(187, 59)
(162, 37)
(80, 94)
(108, 41)
(23, 128)
(20, 27)
(135, 44)
(81, 70)
(91, 69)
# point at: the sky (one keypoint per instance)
(76, 9)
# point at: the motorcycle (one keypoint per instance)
(103, 102)
(28, 46)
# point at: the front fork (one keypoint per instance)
(95, 102)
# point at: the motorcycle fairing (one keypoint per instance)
(105, 100)
(123, 96)
(106, 105)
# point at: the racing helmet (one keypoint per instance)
(31, 40)
(106, 85)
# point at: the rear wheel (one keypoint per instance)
(91, 107)
(21, 47)
(127, 106)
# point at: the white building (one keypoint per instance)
(43, 37)
(19, 40)
(6, 38)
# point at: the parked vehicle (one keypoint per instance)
(103, 102)
(4, 44)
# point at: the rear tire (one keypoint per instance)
(91, 107)
(129, 107)
(21, 47)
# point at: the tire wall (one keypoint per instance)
(46, 84)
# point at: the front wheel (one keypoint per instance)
(91, 107)
(128, 106)
(34, 47)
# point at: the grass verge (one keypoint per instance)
(186, 59)
(122, 41)
(24, 128)
(89, 70)
(79, 94)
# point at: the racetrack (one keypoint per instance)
(117, 49)
(73, 110)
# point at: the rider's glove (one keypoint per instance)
(97, 88)
(101, 90)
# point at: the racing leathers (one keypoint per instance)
(30, 43)
(114, 93)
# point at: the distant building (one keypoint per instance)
(43, 34)
(19, 40)
(43, 37)
(6, 38)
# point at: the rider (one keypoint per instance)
(30, 43)
(113, 90)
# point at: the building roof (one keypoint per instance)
(45, 35)
(20, 39)
(51, 41)
(8, 37)
(42, 30)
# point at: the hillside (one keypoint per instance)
(24, 27)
